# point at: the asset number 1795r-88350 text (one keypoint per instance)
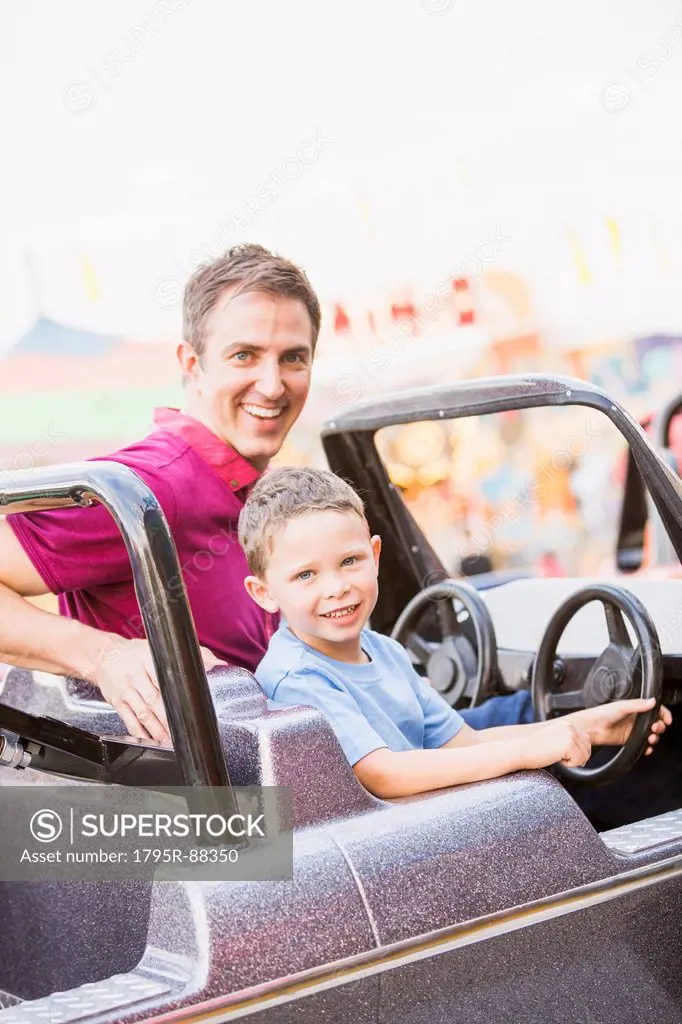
(203, 855)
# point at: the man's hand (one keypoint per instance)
(124, 672)
(558, 740)
(610, 725)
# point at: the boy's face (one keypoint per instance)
(322, 576)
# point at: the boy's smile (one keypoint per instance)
(322, 576)
(342, 613)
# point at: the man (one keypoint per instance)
(250, 324)
(251, 321)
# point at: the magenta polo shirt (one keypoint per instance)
(201, 484)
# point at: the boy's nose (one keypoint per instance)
(336, 586)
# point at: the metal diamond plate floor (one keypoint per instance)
(643, 834)
(89, 1000)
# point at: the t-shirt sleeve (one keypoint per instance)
(441, 722)
(81, 548)
(353, 731)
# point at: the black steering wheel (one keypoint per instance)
(458, 668)
(620, 672)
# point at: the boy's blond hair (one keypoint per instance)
(284, 494)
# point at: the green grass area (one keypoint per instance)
(73, 415)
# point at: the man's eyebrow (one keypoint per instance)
(238, 346)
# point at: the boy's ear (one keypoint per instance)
(258, 592)
(376, 548)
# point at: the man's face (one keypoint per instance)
(253, 378)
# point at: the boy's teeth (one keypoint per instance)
(258, 410)
(342, 614)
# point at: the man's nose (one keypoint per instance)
(269, 382)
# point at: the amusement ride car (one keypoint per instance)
(499, 901)
(643, 543)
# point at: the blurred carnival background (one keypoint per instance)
(473, 189)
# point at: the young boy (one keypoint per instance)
(311, 555)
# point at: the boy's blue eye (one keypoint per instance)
(304, 575)
(350, 560)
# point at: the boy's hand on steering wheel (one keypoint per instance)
(664, 719)
(610, 725)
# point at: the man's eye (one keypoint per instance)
(242, 356)
(294, 357)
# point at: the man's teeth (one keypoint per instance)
(262, 412)
(340, 615)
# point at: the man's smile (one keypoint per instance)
(262, 412)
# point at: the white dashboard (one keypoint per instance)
(521, 610)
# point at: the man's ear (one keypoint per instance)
(258, 592)
(189, 362)
(376, 548)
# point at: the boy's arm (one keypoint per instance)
(608, 724)
(467, 758)
(505, 732)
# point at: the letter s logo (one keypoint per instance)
(46, 826)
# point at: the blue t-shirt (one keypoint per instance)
(381, 704)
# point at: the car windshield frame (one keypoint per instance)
(408, 561)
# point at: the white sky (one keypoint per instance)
(442, 127)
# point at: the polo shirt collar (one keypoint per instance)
(232, 468)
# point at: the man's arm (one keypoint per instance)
(468, 758)
(36, 639)
(29, 636)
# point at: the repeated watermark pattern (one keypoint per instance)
(618, 94)
(81, 95)
(483, 537)
(669, 630)
(193, 568)
(136, 628)
(37, 449)
(437, 8)
(350, 388)
(167, 291)
(440, 576)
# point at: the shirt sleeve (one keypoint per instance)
(81, 548)
(353, 731)
(441, 722)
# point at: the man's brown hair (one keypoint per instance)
(283, 494)
(246, 268)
